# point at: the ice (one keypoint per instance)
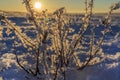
(107, 69)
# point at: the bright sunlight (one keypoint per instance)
(37, 5)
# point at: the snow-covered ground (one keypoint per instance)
(107, 69)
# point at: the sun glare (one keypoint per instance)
(38, 5)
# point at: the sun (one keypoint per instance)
(38, 5)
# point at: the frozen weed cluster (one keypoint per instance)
(57, 47)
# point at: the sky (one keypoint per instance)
(72, 6)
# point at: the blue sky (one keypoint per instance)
(51, 5)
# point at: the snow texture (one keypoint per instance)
(107, 69)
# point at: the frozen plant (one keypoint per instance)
(57, 46)
(115, 6)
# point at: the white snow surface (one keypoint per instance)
(108, 69)
(9, 69)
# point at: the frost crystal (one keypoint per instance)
(115, 6)
(1, 29)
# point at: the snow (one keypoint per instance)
(103, 70)
(106, 69)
